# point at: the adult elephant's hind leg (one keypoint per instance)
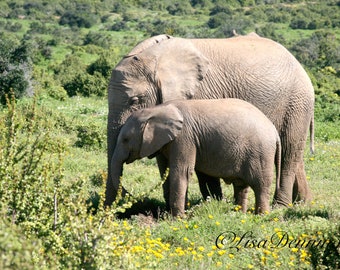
(301, 190)
(209, 186)
(293, 182)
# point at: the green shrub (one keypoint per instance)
(27, 163)
(57, 92)
(13, 26)
(87, 85)
(328, 255)
(99, 39)
(90, 135)
(179, 8)
(19, 251)
(78, 19)
(15, 68)
(102, 65)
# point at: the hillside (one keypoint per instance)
(65, 39)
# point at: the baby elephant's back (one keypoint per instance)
(234, 119)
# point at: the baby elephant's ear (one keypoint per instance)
(163, 126)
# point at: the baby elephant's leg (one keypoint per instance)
(241, 196)
(262, 194)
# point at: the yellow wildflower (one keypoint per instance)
(237, 207)
(210, 253)
(267, 252)
(221, 252)
(219, 245)
(158, 255)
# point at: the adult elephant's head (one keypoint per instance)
(157, 70)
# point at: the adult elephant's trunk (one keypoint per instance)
(114, 167)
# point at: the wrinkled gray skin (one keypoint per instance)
(225, 138)
(251, 68)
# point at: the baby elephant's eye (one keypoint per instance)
(125, 140)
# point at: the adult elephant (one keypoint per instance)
(251, 68)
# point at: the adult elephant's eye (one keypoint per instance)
(134, 101)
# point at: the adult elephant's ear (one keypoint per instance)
(180, 68)
(162, 127)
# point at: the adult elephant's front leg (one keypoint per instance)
(162, 163)
(209, 186)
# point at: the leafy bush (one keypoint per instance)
(102, 65)
(86, 85)
(231, 24)
(13, 26)
(160, 26)
(328, 256)
(90, 136)
(179, 8)
(78, 19)
(99, 39)
(15, 68)
(27, 155)
(321, 49)
(19, 251)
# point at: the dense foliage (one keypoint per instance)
(56, 58)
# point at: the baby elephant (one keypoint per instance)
(226, 138)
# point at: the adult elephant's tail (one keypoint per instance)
(311, 135)
(278, 163)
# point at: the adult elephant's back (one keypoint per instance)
(258, 70)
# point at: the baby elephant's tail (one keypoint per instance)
(278, 163)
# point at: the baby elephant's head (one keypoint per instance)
(147, 131)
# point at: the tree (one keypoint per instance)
(15, 68)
